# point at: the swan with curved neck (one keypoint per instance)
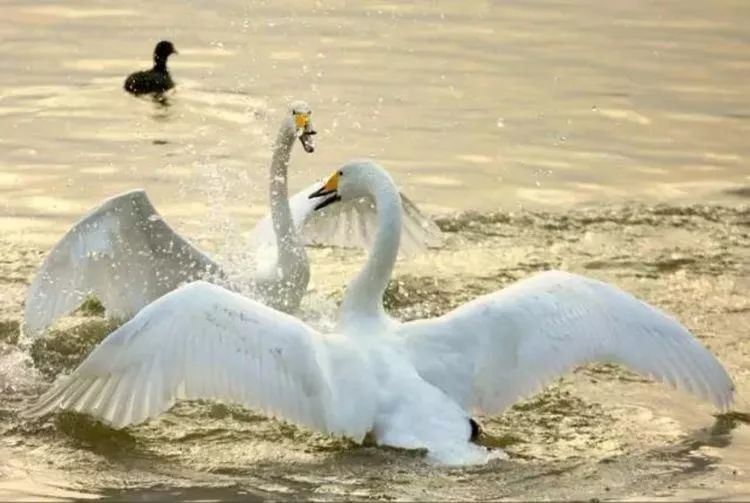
(126, 255)
(289, 278)
(411, 385)
(363, 298)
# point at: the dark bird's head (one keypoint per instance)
(162, 51)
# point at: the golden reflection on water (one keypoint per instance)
(472, 105)
(479, 105)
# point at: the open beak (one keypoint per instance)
(307, 141)
(305, 132)
(328, 189)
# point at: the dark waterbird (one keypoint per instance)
(157, 79)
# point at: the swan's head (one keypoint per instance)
(353, 180)
(301, 123)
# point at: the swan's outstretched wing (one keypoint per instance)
(202, 341)
(123, 253)
(505, 346)
(350, 224)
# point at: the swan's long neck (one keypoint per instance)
(291, 253)
(363, 299)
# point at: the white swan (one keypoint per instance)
(411, 385)
(125, 254)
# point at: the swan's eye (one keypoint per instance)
(341, 173)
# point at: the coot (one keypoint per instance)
(156, 80)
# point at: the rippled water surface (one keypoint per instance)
(473, 105)
(606, 138)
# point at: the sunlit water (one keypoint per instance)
(621, 121)
(473, 105)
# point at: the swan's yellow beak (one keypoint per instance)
(328, 188)
(305, 131)
(332, 184)
(301, 120)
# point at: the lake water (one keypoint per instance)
(609, 138)
(478, 105)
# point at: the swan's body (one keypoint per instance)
(411, 385)
(126, 255)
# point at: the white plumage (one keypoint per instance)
(507, 345)
(203, 341)
(123, 253)
(350, 224)
(411, 385)
(126, 255)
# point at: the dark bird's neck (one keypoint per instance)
(160, 64)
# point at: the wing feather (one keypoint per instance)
(202, 341)
(505, 346)
(122, 252)
(348, 224)
(353, 223)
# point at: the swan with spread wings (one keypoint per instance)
(126, 255)
(411, 385)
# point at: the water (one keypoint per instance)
(604, 139)
(474, 106)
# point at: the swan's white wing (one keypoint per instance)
(505, 346)
(353, 223)
(123, 253)
(202, 341)
(350, 224)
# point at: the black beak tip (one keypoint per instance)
(328, 201)
(317, 193)
(307, 142)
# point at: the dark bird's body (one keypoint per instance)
(156, 80)
(149, 81)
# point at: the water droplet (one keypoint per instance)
(500, 122)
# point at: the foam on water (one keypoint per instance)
(689, 260)
(17, 371)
